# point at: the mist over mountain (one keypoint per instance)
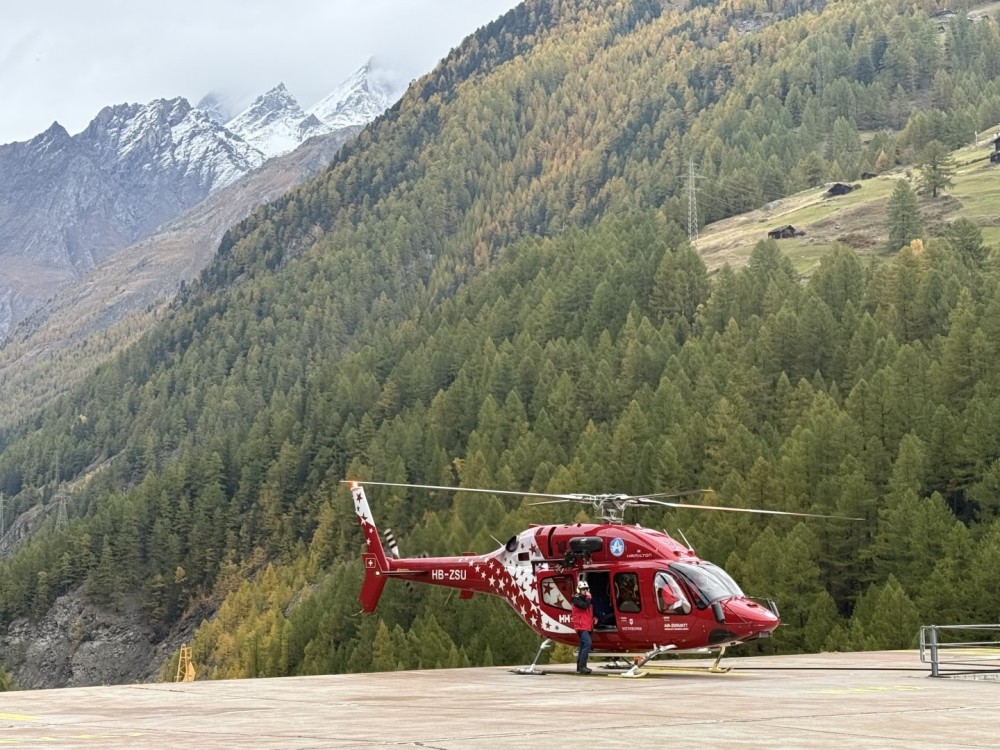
(216, 107)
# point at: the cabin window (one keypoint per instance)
(670, 599)
(557, 592)
(627, 592)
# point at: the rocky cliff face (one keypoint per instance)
(77, 645)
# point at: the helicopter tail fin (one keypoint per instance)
(375, 561)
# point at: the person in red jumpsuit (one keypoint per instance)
(583, 624)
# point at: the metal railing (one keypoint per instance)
(949, 652)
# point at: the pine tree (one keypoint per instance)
(944, 595)
(820, 622)
(384, 657)
(937, 167)
(905, 223)
(104, 584)
(885, 618)
(966, 238)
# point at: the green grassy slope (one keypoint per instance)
(858, 219)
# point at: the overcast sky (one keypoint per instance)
(65, 60)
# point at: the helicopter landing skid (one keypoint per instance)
(617, 662)
(533, 669)
(715, 665)
(714, 668)
(636, 669)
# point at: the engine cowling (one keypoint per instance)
(586, 545)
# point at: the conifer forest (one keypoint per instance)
(493, 286)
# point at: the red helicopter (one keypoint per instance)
(652, 595)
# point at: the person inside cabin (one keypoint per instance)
(583, 624)
(669, 597)
(627, 592)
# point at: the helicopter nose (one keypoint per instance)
(752, 617)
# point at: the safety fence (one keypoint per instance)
(970, 651)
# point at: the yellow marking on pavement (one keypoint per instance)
(17, 717)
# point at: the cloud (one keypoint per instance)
(65, 63)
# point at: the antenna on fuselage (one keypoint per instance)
(686, 542)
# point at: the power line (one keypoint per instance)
(692, 203)
(61, 510)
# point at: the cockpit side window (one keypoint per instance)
(627, 592)
(670, 598)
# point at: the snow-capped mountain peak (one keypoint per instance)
(276, 124)
(69, 202)
(173, 136)
(362, 97)
(272, 123)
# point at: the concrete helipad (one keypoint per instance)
(867, 700)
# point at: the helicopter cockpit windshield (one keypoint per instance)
(709, 582)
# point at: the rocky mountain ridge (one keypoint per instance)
(68, 202)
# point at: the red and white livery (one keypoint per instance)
(652, 595)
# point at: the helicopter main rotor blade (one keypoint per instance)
(463, 489)
(686, 493)
(747, 510)
(582, 500)
(585, 499)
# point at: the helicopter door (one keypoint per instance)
(600, 591)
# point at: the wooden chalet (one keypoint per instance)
(839, 188)
(785, 232)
